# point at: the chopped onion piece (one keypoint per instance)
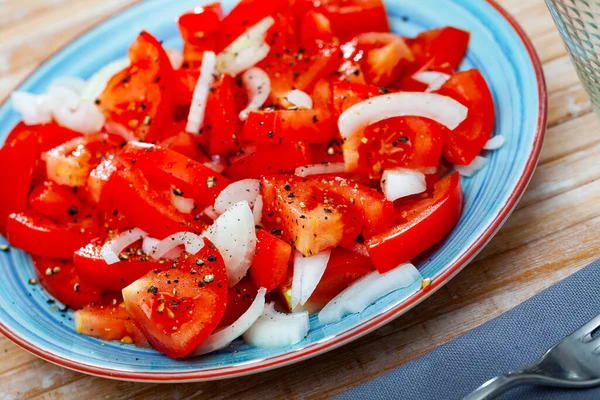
(176, 58)
(258, 85)
(275, 329)
(200, 96)
(300, 99)
(244, 190)
(193, 244)
(402, 182)
(475, 165)
(34, 109)
(257, 210)
(96, 84)
(308, 271)
(494, 143)
(442, 109)
(111, 249)
(86, 118)
(210, 213)
(225, 336)
(358, 296)
(433, 79)
(247, 50)
(149, 244)
(322, 168)
(217, 164)
(182, 204)
(234, 235)
(72, 83)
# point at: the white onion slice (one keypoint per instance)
(86, 118)
(257, 210)
(176, 58)
(433, 79)
(225, 336)
(193, 244)
(217, 163)
(247, 50)
(402, 182)
(358, 296)
(322, 168)
(308, 271)
(275, 329)
(210, 213)
(494, 143)
(442, 109)
(258, 85)
(199, 98)
(111, 249)
(149, 245)
(234, 235)
(96, 84)
(244, 190)
(475, 165)
(34, 109)
(300, 99)
(182, 204)
(72, 83)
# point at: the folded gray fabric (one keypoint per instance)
(513, 340)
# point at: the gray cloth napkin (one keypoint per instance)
(513, 340)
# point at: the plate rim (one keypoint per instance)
(363, 328)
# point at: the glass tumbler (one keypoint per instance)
(579, 24)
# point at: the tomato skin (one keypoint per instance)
(102, 321)
(41, 236)
(442, 46)
(182, 142)
(185, 83)
(315, 30)
(177, 308)
(129, 192)
(465, 142)
(92, 267)
(54, 201)
(64, 283)
(286, 126)
(270, 264)
(347, 94)
(239, 299)
(222, 123)
(140, 99)
(200, 22)
(259, 159)
(426, 222)
(193, 178)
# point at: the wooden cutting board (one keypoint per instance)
(552, 234)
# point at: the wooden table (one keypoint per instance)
(552, 234)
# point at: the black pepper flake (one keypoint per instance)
(403, 139)
(153, 289)
(276, 231)
(212, 258)
(97, 102)
(177, 191)
(270, 134)
(287, 186)
(328, 210)
(383, 90)
(126, 79)
(315, 119)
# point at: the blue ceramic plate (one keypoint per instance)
(499, 49)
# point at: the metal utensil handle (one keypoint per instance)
(496, 386)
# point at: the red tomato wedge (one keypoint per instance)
(270, 264)
(464, 143)
(239, 299)
(194, 179)
(133, 265)
(199, 31)
(177, 308)
(347, 94)
(315, 31)
(103, 321)
(222, 122)
(183, 143)
(442, 46)
(140, 99)
(44, 237)
(383, 56)
(258, 159)
(425, 222)
(56, 202)
(185, 83)
(129, 193)
(61, 280)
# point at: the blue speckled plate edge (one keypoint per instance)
(329, 343)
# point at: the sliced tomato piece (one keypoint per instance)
(177, 308)
(408, 83)
(465, 142)
(55, 202)
(312, 219)
(270, 264)
(239, 299)
(315, 30)
(257, 159)
(39, 235)
(347, 94)
(98, 178)
(310, 126)
(201, 22)
(129, 192)
(185, 83)
(222, 122)
(343, 269)
(194, 179)
(140, 99)
(384, 56)
(133, 265)
(102, 321)
(61, 280)
(441, 46)
(426, 222)
(183, 142)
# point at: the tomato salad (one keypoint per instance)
(292, 159)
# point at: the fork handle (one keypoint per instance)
(496, 386)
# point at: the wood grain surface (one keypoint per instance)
(552, 233)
